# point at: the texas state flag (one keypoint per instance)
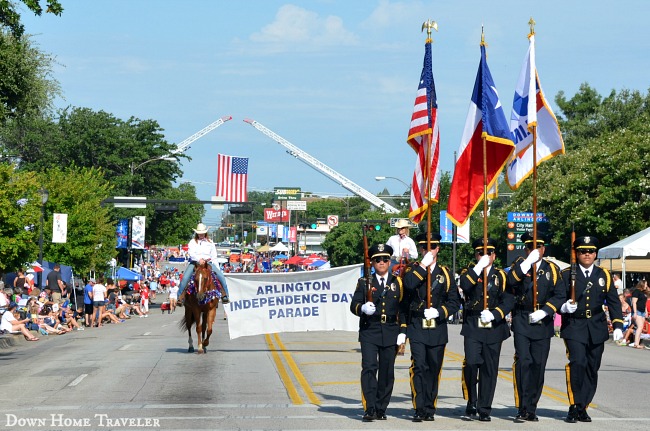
(530, 110)
(479, 165)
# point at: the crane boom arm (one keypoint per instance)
(185, 144)
(324, 169)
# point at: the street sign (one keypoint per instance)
(518, 223)
(287, 193)
(297, 205)
(138, 202)
(216, 205)
(332, 220)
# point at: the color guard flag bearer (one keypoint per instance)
(485, 147)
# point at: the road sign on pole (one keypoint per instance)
(332, 220)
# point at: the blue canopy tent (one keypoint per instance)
(127, 274)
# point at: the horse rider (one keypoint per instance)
(201, 249)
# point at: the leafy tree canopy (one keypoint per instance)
(10, 18)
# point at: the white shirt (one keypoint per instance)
(6, 324)
(398, 243)
(202, 248)
(99, 292)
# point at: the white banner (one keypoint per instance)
(292, 301)
(137, 232)
(60, 228)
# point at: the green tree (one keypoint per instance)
(176, 226)
(10, 18)
(26, 87)
(20, 209)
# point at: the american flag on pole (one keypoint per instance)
(424, 137)
(530, 109)
(232, 178)
(485, 120)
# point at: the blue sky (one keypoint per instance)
(337, 78)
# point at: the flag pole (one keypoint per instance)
(485, 205)
(428, 24)
(534, 131)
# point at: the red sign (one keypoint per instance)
(276, 216)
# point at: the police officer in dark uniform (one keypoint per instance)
(584, 325)
(427, 326)
(382, 329)
(484, 329)
(532, 323)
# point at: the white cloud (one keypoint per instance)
(296, 27)
(388, 14)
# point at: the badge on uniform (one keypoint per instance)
(601, 282)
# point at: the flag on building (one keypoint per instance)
(485, 120)
(424, 137)
(530, 109)
(232, 178)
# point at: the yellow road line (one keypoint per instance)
(297, 373)
(284, 376)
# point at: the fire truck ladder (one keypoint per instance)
(185, 144)
(324, 169)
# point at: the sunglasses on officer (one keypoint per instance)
(382, 259)
(529, 246)
(480, 252)
(587, 251)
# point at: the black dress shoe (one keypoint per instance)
(531, 417)
(369, 416)
(381, 415)
(484, 417)
(470, 410)
(418, 416)
(521, 416)
(572, 416)
(583, 416)
(429, 417)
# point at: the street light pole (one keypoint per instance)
(44, 197)
(135, 167)
(396, 179)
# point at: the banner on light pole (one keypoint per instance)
(60, 228)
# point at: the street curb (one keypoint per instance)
(8, 341)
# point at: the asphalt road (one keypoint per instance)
(138, 375)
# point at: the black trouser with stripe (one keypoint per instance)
(377, 375)
(426, 366)
(528, 370)
(480, 368)
(582, 370)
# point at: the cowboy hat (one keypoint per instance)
(201, 228)
(402, 223)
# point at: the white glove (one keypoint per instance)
(532, 258)
(427, 259)
(483, 263)
(368, 308)
(569, 307)
(431, 313)
(401, 339)
(486, 316)
(618, 334)
(538, 315)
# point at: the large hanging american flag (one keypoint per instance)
(232, 178)
(424, 137)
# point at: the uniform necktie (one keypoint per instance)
(586, 274)
(381, 282)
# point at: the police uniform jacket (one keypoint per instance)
(589, 321)
(551, 294)
(500, 303)
(383, 327)
(444, 298)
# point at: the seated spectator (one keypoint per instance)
(67, 317)
(48, 322)
(10, 324)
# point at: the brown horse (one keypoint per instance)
(201, 302)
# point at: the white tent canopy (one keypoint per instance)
(630, 254)
(279, 247)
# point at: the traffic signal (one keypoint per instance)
(314, 225)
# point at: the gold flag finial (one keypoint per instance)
(428, 24)
(483, 42)
(531, 23)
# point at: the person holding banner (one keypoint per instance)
(584, 325)
(382, 329)
(427, 324)
(484, 328)
(200, 250)
(532, 322)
